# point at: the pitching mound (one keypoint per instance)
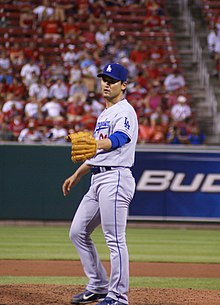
(61, 294)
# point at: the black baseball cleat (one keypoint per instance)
(87, 297)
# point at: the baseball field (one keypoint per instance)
(168, 265)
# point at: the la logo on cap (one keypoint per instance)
(109, 68)
(116, 71)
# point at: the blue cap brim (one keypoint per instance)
(109, 75)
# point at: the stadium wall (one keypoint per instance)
(173, 183)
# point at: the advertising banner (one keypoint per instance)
(176, 185)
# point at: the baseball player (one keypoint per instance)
(110, 193)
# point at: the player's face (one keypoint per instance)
(112, 88)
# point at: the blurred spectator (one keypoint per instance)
(153, 6)
(87, 61)
(83, 9)
(16, 54)
(159, 118)
(30, 72)
(140, 54)
(51, 28)
(136, 91)
(88, 35)
(153, 72)
(158, 136)
(183, 132)
(6, 77)
(69, 56)
(53, 110)
(130, 66)
(55, 71)
(153, 97)
(87, 122)
(172, 135)
(151, 131)
(43, 11)
(212, 39)
(58, 90)
(12, 107)
(16, 125)
(39, 90)
(61, 7)
(89, 70)
(97, 7)
(102, 36)
(4, 22)
(27, 18)
(3, 90)
(32, 78)
(1, 114)
(4, 60)
(181, 111)
(57, 133)
(17, 88)
(75, 73)
(136, 95)
(5, 133)
(145, 131)
(143, 79)
(216, 56)
(44, 65)
(93, 105)
(31, 51)
(79, 89)
(171, 99)
(174, 81)
(30, 134)
(176, 135)
(157, 54)
(75, 109)
(196, 137)
(32, 109)
(117, 49)
(217, 24)
(70, 28)
(153, 21)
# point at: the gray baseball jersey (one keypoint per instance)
(107, 203)
(119, 117)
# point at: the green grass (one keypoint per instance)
(145, 244)
(150, 282)
(151, 245)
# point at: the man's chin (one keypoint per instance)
(106, 94)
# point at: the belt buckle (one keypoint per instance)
(105, 169)
(95, 170)
(100, 169)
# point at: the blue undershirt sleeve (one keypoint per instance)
(118, 139)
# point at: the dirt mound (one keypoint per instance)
(61, 295)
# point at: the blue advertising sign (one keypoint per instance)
(176, 185)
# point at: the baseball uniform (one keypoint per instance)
(106, 203)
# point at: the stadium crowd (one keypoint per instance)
(211, 14)
(48, 83)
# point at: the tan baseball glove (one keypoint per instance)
(84, 146)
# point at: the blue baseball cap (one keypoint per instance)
(115, 71)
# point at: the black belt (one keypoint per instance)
(100, 169)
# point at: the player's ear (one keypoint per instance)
(123, 86)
